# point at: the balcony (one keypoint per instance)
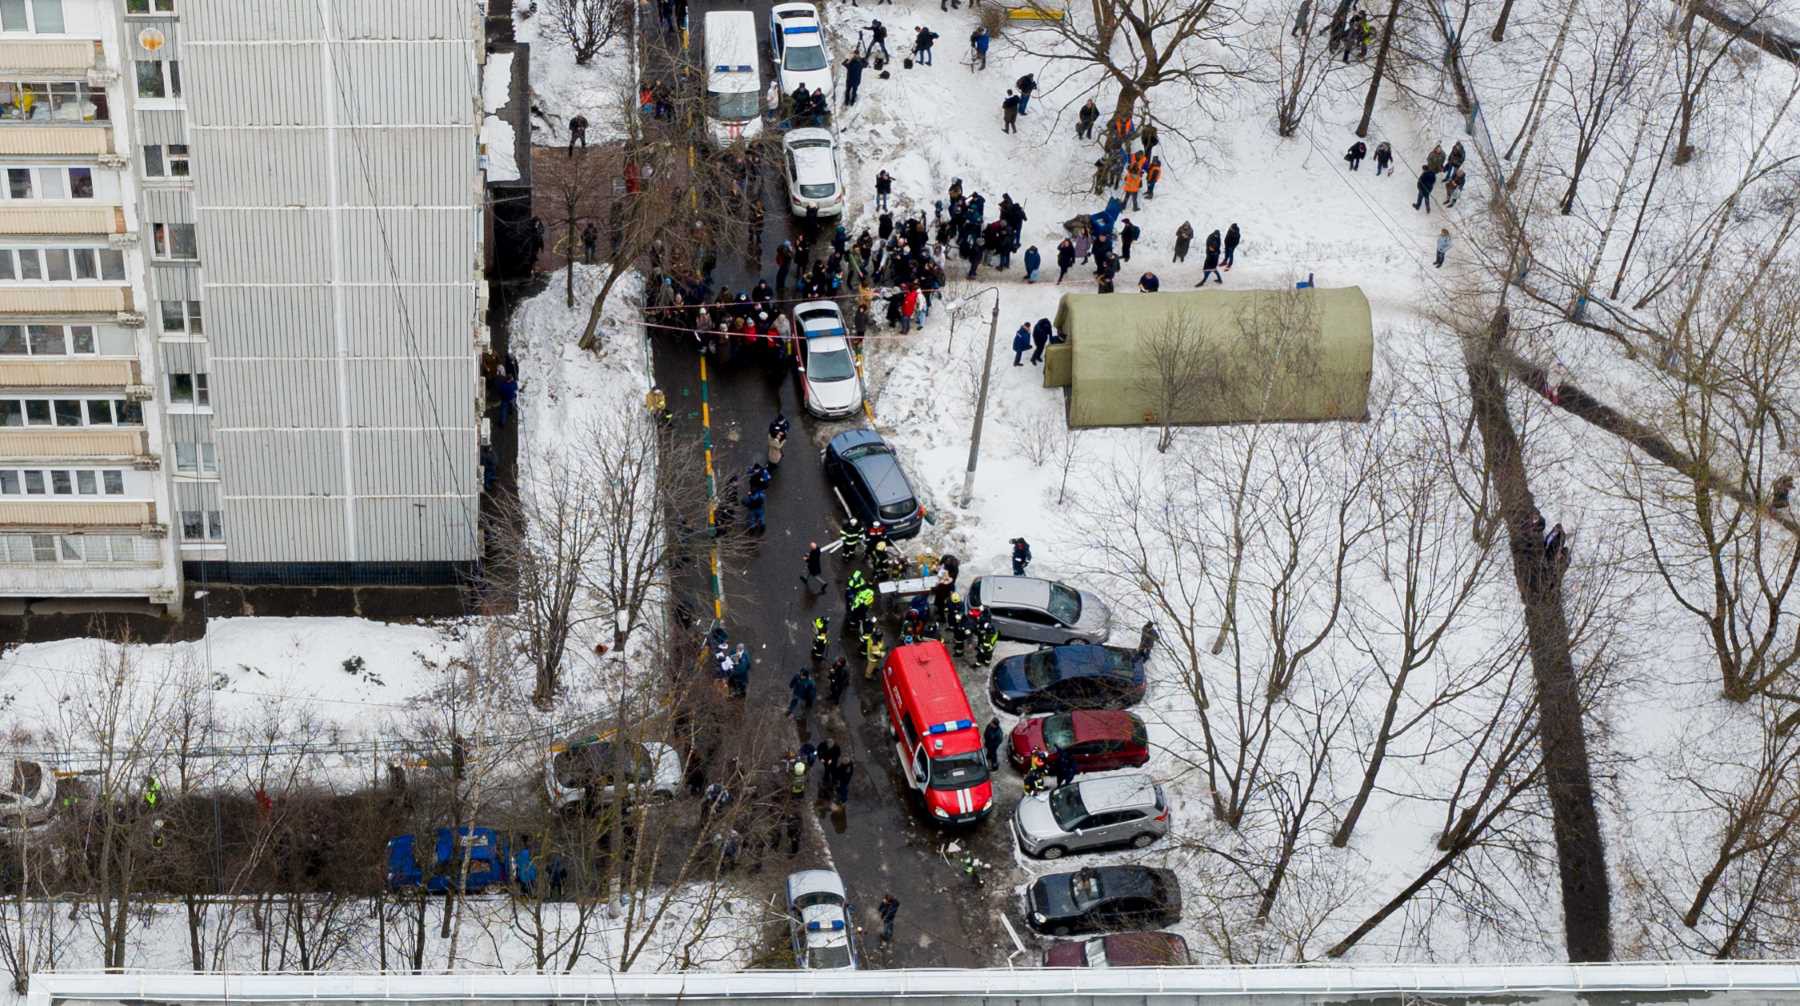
(61, 218)
(74, 140)
(66, 299)
(87, 444)
(67, 372)
(48, 57)
(57, 515)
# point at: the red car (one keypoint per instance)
(1098, 739)
(1120, 950)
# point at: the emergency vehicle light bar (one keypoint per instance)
(740, 68)
(800, 30)
(818, 927)
(944, 728)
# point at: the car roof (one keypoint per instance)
(934, 694)
(1118, 881)
(854, 438)
(1100, 794)
(1083, 659)
(794, 10)
(881, 470)
(1145, 948)
(1094, 724)
(1027, 590)
(822, 307)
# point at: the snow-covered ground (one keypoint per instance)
(562, 88)
(1086, 500)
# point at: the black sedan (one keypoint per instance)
(867, 478)
(1077, 676)
(1098, 898)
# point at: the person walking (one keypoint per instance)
(1184, 236)
(590, 241)
(991, 739)
(1021, 556)
(1085, 119)
(888, 909)
(1128, 233)
(803, 692)
(884, 187)
(978, 41)
(1355, 154)
(1427, 182)
(1147, 640)
(1065, 257)
(846, 771)
(1026, 85)
(578, 127)
(814, 577)
(1211, 265)
(1034, 260)
(1443, 247)
(837, 680)
(1021, 342)
(1009, 113)
(1384, 157)
(1231, 243)
(853, 71)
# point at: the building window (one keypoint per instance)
(63, 265)
(47, 340)
(73, 548)
(203, 525)
(149, 6)
(166, 161)
(174, 241)
(44, 17)
(196, 459)
(159, 78)
(15, 412)
(189, 389)
(64, 101)
(49, 183)
(62, 482)
(182, 316)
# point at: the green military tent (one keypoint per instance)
(1207, 357)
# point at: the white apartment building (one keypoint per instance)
(240, 313)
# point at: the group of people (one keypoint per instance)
(1350, 27)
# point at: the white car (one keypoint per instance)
(819, 921)
(829, 384)
(28, 794)
(594, 766)
(797, 43)
(815, 185)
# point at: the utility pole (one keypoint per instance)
(987, 367)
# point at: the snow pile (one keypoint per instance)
(497, 139)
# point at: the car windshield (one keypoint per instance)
(823, 190)
(829, 957)
(959, 771)
(804, 57)
(833, 366)
(863, 451)
(1065, 604)
(895, 511)
(1040, 668)
(1066, 807)
(1059, 731)
(734, 105)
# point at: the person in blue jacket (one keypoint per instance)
(1033, 260)
(1021, 343)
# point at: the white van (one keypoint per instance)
(734, 98)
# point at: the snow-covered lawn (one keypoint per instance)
(563, 88)
(1302, 213)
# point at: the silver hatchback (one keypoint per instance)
(1041, 611)
(1092, 813)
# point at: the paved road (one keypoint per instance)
(882, 844)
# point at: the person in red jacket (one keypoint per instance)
(909, 306)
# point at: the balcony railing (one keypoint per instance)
(67, 372)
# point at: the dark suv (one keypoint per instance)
(866, 476)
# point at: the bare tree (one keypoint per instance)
(1301, 67)
(1140, 45)
(1174, 362)
(1697, 55)
(1593, 92)
(1381, 58)
(586, 26)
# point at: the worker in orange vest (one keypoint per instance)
(1134, 181)
(1152, 175)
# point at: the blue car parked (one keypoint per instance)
(1076, 676)
(489, 861)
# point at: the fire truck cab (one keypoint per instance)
(934, 733)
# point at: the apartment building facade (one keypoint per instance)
(241, 313)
